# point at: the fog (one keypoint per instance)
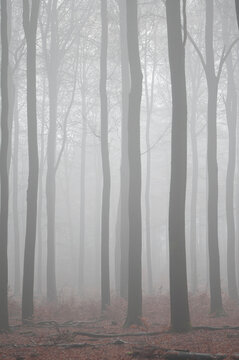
(112, 158)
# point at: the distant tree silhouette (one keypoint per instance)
(30, 19)
(4, 171)
(105, 276)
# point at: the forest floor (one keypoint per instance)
(73, 331)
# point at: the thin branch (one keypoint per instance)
(198, 52)
(224, 57)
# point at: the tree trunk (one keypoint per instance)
(105, 276)
(82, 180)
(180, 320)
(51, 156)
(134, 312)
(30, 28)
(231, 112)
(149, 95)
(40, 195)
(17, 270)
(193, 227)
(4, 172)
(212, 82)
(124, 171)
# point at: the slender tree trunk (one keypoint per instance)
(237, 15)
(17, 270)
(69, 212)
(51, 156)
(212, 82)
(117, 253)
(193, 226)
(30, 19)
(134, 312)
(4, 172)
(180, 320)
(149, 95)
(97, 219)
(231, 112)
(124, 171)
(105, 275)
(11, 88)
(40, 195)
(82, 180)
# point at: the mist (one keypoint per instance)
(119, 156)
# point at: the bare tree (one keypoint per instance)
(30, 19)
(4, 171)
(124, 171)
(134, 312)
(105, 276)
(231, 112)
(180, 319)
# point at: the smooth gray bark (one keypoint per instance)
(53, 66)
(4, 324)
(231, 113)
(195, 81)
(30, 19)
(180, 319)
(212, 83)
(134, 311)
(83, 176)
(105, 272)
(15, 206)
(40, 194)
(124, 170)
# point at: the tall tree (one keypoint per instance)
(4, 171)
(195, 73)
(83, 90)
(52, 72)
(105, 275)
(212, 82)
(124, 171)
(212, 77)
(149, 97)
(180, 319)
(231, 113)
(15, 206)
(134, 312)
(30, 19)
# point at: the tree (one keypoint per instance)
(52, 72)
(4, 171)
(180, 319)
(30, 19)
(231, 113)
(237, 10)
(212, 77)
(15, 206)
(105, 276)
(149, 97)
(124, 171)
(134, 312)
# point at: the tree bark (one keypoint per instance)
(212, 83)
(231, 113)
(134, 312)
(51, 156)
(30, 19)
(180, 319)
(17, 269)
(4, 324)
(105, 275)
(124, 171)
